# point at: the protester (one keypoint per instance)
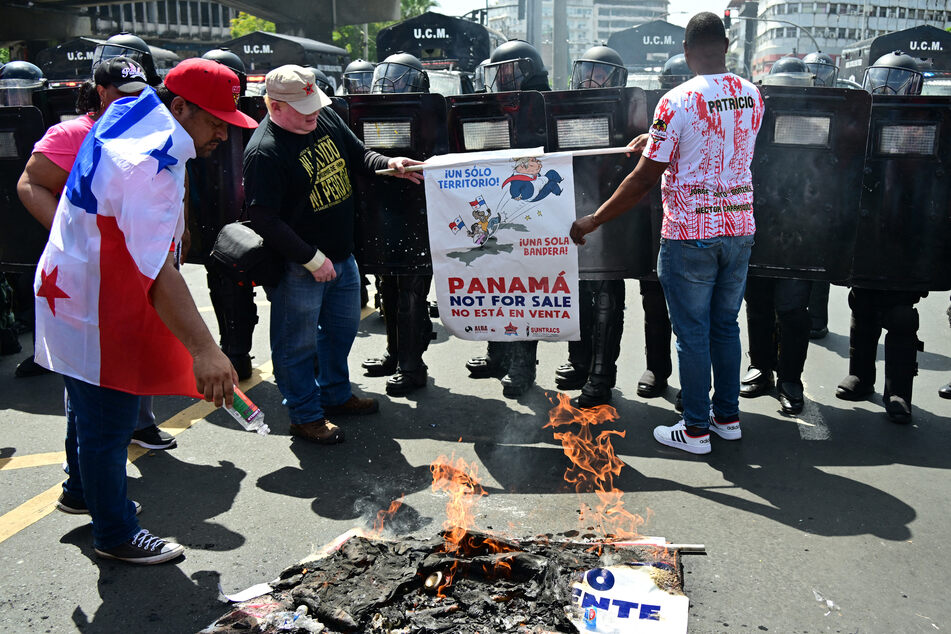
(298, 189)
(704, 130)
(113, 314)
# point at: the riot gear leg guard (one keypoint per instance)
(414, 332)
(236, 315)
(819, 310)
(608, 325)
(792, 315)
(388, 289)
(573, 374)
(864, 332)
(494, 364)
(657, 332)
(761, 332)
(521, 368)
(901, 349)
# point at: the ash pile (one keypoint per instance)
(480, 584)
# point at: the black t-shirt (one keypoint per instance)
(298, 187)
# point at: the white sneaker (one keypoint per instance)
(676, 436)
(727, 431)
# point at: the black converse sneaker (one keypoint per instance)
(144, 548)
(676, 436)
(74, 506)
(153, 438)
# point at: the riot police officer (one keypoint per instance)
(478, 77)
(893, 310)
(409, 328)
(131, 46)
(226, 57)
(515, 65)
(823, 68)
(323, 82)
(592, 360)
(777, 314)
(18, 81)
(358, 77)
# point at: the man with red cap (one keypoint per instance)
(113, 314)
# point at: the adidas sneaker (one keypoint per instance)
(676, 436)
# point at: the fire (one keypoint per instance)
(594, 465)
(382, 516)
(460, 480)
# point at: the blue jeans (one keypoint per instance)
(99, 425)
(313, 320)
(704, 282)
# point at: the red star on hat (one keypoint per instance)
(309, 89)
(511, 329)
(49, 290)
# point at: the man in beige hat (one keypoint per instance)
(299, 192)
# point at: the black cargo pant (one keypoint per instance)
(409, 328)
(777, 320)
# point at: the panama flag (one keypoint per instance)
(118, 219)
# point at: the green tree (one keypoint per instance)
(350, 36)
(246, 23)
(4, 55)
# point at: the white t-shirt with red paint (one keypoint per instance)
(705, 129)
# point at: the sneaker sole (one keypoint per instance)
(726, 434)
(145, 561)
(71, 510)
(142, 443)
(699, 451)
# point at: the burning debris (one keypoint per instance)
(467, 581)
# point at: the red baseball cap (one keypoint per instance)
(212, 87)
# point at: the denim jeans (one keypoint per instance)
(99, 425)
(704, 282)
(313, 320)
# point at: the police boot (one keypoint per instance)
(236, 315)
(656, 341)
(494, 364)
(415, 330)
(521, 368)
(607, 327)
(387, 301)
(864, 332)
(573, 374)
(901, 356)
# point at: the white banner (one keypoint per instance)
(503, 264)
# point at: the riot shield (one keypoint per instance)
(588, 119)
(656, 197)
(56, 104)
(23, 238)
(392, 231)
(497, 121)
(904, 233)
(807, 175)
(215, 194)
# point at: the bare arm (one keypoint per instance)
(38, 187)
(637, 184)
(214, 375)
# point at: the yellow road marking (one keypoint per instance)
(32, 460)
(43, 504)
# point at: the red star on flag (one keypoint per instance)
(511, 329)
(309, 89)
(49, 290)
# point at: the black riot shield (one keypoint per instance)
(656, 197)
(904, 233)
(23, 238)
(590, 119)
(392, 230)
(497, 121)
(807, 175)
(56, 104)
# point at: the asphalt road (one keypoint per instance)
(835, 521)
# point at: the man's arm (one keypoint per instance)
(37, 187)
(637, 184)
(214, 375)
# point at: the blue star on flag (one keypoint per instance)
(165, 160)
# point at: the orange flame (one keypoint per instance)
(461, 481)
(382, 516)
(594, 465)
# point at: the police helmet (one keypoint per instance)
(227, 58)
(675, 72)
(789, 71)
(131, 46)
(823, 67)
(400, 72)
(515, 65)
(478, 77)
(323, 82)
(896, 73)
(18, 80)
(599, 67)
(358, 77)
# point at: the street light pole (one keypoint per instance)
(799, 26)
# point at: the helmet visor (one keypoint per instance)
(18, 92)
(358, 83)
(588, 74)
(108, 51)
(478, 79)
(892, 81)
(390, 77)
(508, 75)
(825, 74)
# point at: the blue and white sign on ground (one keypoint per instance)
(626, 598)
